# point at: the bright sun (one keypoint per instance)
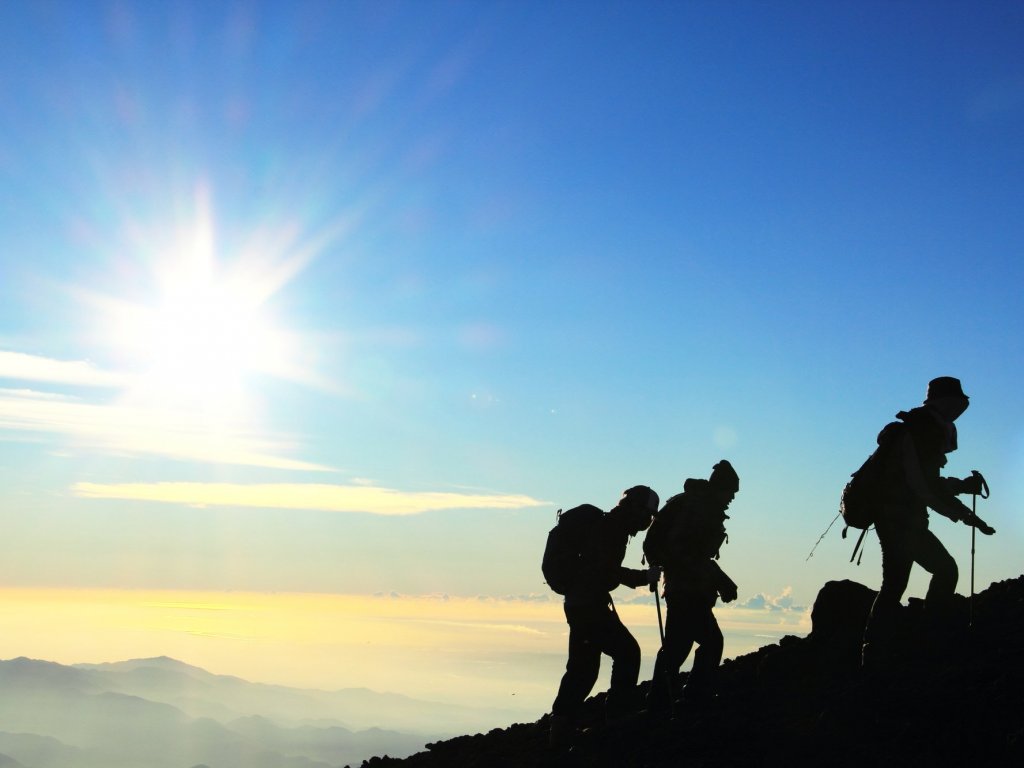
(201, 337)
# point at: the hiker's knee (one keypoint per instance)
(629, 653)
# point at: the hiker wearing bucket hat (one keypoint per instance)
(911, 484)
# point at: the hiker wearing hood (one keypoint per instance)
(685, 539)
(915, 449)
(594, 626)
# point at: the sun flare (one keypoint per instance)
(206, 331)
(202, 341)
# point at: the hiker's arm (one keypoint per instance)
(946, 505)
(725, 586)
(952, 485)
(631, 577)
(969, 485)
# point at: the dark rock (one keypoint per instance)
(840, 610)
(953, 699)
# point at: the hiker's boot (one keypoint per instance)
(561, 733)
(695, 700)
(620, 709)
(658, 703)
(878, 660)
(869, 656)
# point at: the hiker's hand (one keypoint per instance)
(976, 522)
(633, 578)
(972, 484)
(728, 591)
(653, 577)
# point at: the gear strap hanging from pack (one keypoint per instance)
(857, 547)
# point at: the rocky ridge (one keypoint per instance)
(955, 697)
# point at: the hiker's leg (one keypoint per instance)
(930, 553)
(708, 656)
(897, 561)
(881, 633)
(675, 649)
(617, 641)
(712, 644)
(583, 666)
(659, 694)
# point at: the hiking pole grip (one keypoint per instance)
(982, 483)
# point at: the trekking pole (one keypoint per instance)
(661, 632)
(983, 489)
(657, 603)
(970, 603)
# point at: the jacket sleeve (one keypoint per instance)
(632, 577)
(932, 492)
(725, 586)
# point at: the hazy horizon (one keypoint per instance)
(475, 651)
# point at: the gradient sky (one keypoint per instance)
(350, 297)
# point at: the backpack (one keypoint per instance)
(656, 540)
(564, 547)
(859, 501)
(680, 509)
(864, 493)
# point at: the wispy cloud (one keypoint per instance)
(24, 367)
(138, 430)
(519, 629)
(314, 496)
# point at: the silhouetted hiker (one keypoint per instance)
(915, 449)
(594, 626)
(685, 539)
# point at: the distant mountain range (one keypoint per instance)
(162, 713)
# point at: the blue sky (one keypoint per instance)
(473, 262)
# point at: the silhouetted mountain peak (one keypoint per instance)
(42, 673)
(947, 698)
(160, 663)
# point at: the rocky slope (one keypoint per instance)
(953, 698)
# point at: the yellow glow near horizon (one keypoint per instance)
(413, 645)
(474, 651)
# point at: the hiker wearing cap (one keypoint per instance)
(685, 539)
(911, 484)
(594, 626)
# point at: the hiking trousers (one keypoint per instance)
(593, 630)
(903, 544)
(689, 619)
